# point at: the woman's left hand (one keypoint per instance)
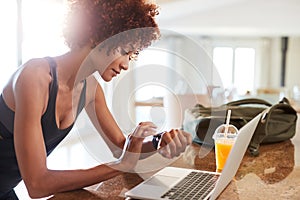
(174, 143)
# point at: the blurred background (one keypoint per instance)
(253, 44)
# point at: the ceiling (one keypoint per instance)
(231, 17)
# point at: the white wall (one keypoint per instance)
(232, 17)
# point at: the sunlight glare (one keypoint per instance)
(43, 23)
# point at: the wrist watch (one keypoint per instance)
(157, 140)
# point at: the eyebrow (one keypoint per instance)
(133, 49)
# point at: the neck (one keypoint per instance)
(69, 67)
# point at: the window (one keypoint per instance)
(236, 66)
(223, 59)
(244, 66)
(8, 48)
(42, 28)
(41, 32)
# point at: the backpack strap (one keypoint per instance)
(249, 101)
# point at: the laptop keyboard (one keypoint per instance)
(196, 185)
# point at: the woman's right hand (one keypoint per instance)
(133, 146)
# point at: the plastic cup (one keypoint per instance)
(223, 144)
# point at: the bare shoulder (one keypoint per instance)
(31, 82)
(35, 72)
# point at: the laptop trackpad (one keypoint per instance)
(162, 181)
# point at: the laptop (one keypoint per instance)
(182, 183)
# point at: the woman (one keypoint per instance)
(37, 109)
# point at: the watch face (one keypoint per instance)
(157, 140)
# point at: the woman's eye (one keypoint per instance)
(133, 55)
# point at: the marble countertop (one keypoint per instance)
(274, 174)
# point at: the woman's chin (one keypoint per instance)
(107, 78)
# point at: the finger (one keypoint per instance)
(178, 144)
(148, 132)
(145, 132)
(165, 150)
(145, 129)
(147, 123)
(188, 137)
(183, 140)
(168, 139)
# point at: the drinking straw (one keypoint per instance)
(227, 122)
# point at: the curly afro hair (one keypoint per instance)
(129, 22)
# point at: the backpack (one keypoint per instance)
(278, 122)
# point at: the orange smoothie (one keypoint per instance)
(222, 150)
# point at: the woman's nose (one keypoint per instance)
(124, 66)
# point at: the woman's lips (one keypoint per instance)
(115, 72)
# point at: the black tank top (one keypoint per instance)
(9, 170)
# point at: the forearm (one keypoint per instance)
(54, 181)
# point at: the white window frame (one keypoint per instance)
(260, 45)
